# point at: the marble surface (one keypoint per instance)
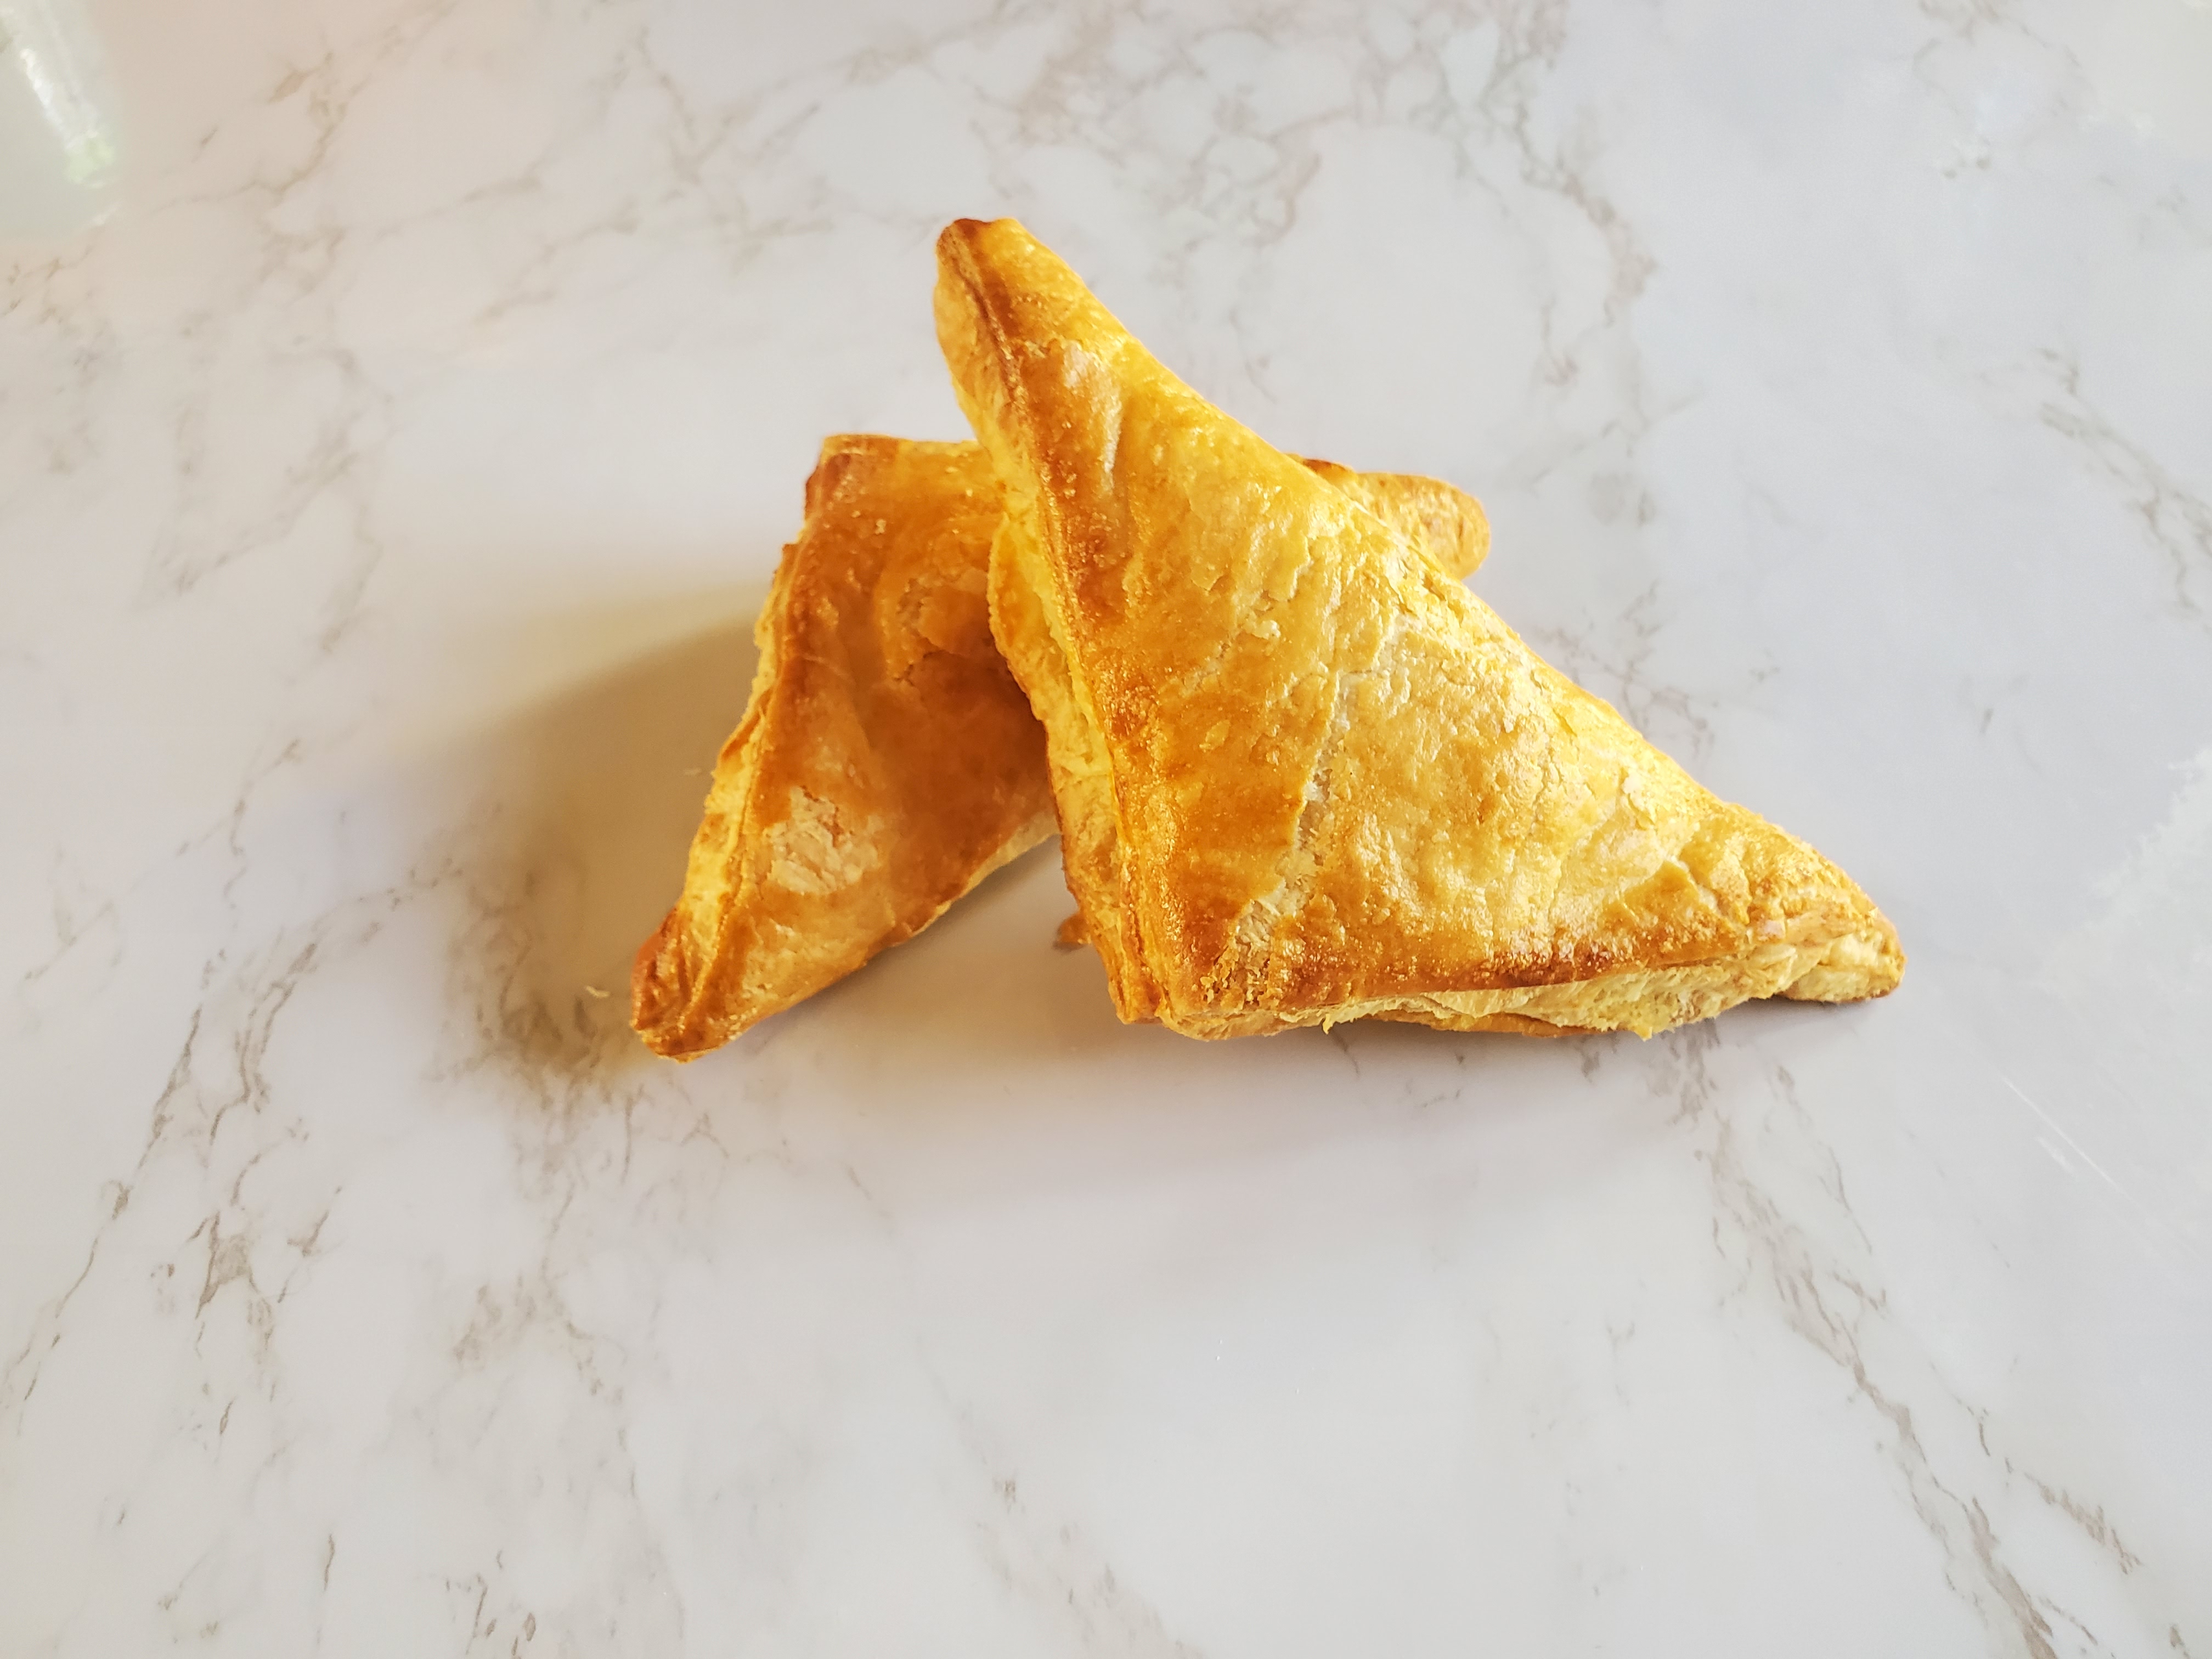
(401, 408)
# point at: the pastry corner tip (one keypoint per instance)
(656, 992)
(957, 241)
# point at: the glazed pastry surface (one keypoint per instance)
(1303, 778)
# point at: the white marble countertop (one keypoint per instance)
(401, 409)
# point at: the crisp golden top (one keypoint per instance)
(1302, 775)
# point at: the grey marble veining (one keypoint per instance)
(401, 407)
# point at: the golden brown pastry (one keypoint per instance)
(887, 761)
(1301, 778)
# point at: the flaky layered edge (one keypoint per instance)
(1831, 967)
(1031, 633)
(674, 979)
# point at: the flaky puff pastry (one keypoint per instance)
(1300, 778)
(887, 761)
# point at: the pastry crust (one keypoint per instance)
(1301, 778)
(887, 761)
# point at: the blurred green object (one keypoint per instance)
(55, 121)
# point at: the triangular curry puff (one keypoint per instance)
(1301, 778)
(887, 760)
